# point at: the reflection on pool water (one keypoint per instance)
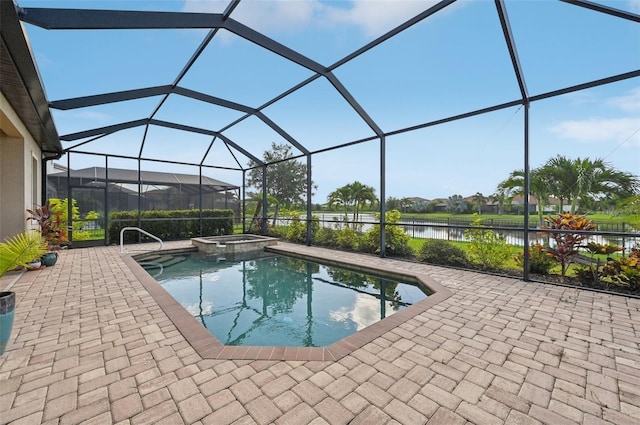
(279, 300)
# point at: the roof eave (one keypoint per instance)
(21, 83)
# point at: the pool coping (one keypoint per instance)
(209, 347)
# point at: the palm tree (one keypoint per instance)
(20, 250)
(573, 180)
(479, 200)
(355, 194)
(502, 197)
(456, 204)
(582, 179)
(561, 173)
(598, 179)
(405, 203)
(361, 195)
(539, 186)
(257, 199)
(341, 197)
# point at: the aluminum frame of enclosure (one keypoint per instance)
(69, 19)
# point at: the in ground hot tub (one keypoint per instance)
(233, 244)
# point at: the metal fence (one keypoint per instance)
(452, 229)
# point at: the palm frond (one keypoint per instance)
(20, 250)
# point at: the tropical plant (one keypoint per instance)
(578, 180)
(347, 238)
(393, 203)
(405, 204)
(21, 249)
(421, 206)
(51, 225)
(60, 207)
(486, 248)
(591, 272)
(567, 244)
(396, 239)
(355, 195)
(559, 172)
(341, 197)
(539, 186)
(438, 251)
(598, 179)
(502, 197)
(255, 204)
(456, 204)
(540, 261)
(362, 195)
(479, 201)
(325, 236)
(631, 207)
(297, 229)
(624, 271)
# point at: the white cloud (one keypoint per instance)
(600, 130)
(629, 102)
(206, 308)
(364, 312)
(92, 116)
(378, 16)
(634, 5)
(623, 129)
(374, 17)
(263, 15)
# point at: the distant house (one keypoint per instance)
(489, 207)
(440, 204)
(517, 205)
(28, 137)
(552, 205)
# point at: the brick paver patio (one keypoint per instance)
(91, 345)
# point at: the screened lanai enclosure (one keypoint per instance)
(413, 99)
(113, 189)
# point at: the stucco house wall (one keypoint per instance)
(27, 132)
(20, 171)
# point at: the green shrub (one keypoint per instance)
(276, 231)
(438, 251)
(81, 235)
(540, 261)
(297, 231)
(326, 236)
(171, 225)
(396, 239)
(487, 249)
(347, 238)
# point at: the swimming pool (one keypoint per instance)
(275, 300)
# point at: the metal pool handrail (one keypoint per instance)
(141, 231)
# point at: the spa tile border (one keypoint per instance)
(209, 347)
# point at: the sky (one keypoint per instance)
(453, 62)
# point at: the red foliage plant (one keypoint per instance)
(567, 244)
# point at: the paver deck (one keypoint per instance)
(91, 345)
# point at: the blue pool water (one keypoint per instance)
(279, 300)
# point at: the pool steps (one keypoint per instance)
(162, 261)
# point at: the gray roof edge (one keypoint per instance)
(147, 177)
(20, 54)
